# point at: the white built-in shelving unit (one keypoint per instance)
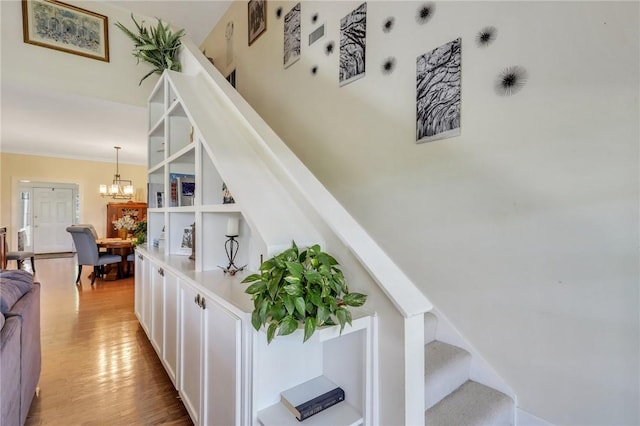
(197, 317)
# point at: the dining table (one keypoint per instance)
(120, 247)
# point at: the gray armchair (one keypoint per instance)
(87, 251)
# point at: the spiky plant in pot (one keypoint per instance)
(157, 45)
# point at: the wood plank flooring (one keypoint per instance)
(98, 367)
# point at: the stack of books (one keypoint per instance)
(312, 397)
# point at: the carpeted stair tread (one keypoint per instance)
(446, 369)
(472, 404)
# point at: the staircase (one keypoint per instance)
(451, 398)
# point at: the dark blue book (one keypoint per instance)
(312, 397)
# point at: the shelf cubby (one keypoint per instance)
(179, 221)
(180, 131)
(156, 145)
(212, 246)
(156, 104)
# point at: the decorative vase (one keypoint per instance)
(123, 233)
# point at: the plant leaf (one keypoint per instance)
(287, 326)
(255, 288)
(309, 327)
(256, 322)
(293, 289)
(295, 269)
(289, 304)
(300, 306)
(354, 299)
(271, 331)
(251, 278)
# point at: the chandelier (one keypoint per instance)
(120, 189)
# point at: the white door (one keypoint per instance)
(52, 213)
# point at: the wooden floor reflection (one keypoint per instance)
(98, 367)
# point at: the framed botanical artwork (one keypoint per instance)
(257, 15)
(67, 28)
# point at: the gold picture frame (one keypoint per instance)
(60, 26)
(257, 19)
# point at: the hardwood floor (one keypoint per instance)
(98, 367)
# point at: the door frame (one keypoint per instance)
(26, 186)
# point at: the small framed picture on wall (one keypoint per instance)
(257, 16)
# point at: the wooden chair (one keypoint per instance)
(3, 247)
(87, 251)
(20, 256)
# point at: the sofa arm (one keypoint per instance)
(10, 392)
(28, 310)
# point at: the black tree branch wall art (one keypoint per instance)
(292, 36)
(353, 29)
(438, 93)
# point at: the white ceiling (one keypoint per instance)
(64, 119)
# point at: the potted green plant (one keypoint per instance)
(140, 233)
(300, 287)
(157, 46)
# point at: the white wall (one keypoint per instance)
(524, 229)
(34, 66)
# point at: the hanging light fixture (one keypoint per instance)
(120, 189)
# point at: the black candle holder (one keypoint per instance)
(231, 248)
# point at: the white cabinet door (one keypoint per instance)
(222, 359)
(190, 375)
(156, 280)
(139, 278)
(143, 295)
(171, 323)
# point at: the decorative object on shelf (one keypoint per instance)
(140, 233)
(193, 241)
(388, 24)
(190, 134)
(257, 15)
(292, 31)
(120, 189)
(186, 241)
(316, 34)
(300, 287)
(231, 246)
(425, 12)
(353, 30)
(438, 77)
(182, 188)
(388, 65)
(329, 47)
(511, 80)
(67, 28)
(124, 225)
(227, 198)
(157, 46)
(486, 36)
(311, 397)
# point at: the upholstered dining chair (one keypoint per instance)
(87, 251)
(20, 255)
